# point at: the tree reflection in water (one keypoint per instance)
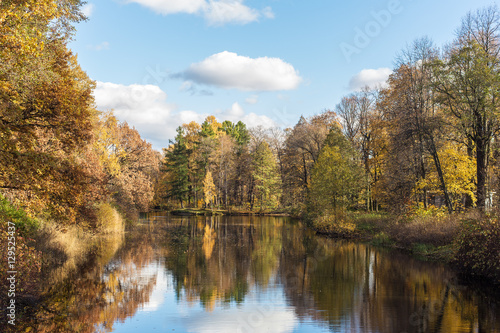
(225, 264)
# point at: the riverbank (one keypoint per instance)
(30, 244)
(225, 212)
(470, 242)
(429, 238)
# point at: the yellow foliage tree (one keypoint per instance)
(209, 189)
(459, 174)
(107, 143)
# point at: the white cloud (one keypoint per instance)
(248, 318)
(166, 7)
(99, 47)
(233, 11)
(88, 9)
(157, 296)
(370, 77)
(215, 12)
(254, 99)
(142, 106)
(236, 113)
(145, 107)
(232, 71)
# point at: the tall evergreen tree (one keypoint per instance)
(177, 165)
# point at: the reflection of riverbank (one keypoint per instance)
(355, 287)
(109, 279)
(468, 241)
(196, 274)
(65, 251)
(337, 283)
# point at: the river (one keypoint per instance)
(255, 274)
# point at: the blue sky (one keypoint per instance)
(161, 63)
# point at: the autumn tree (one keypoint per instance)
(427, 118)
(107, 143)
(356, 113)
(133, 187)
(211, 127)
(415, 123)
(223, 164)
(467, 82)
(301, 151)
(336, 177)
(348, 111)
(47, 116)
(209, 189)
(265, 173)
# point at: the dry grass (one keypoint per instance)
(63, 247)
(66, 247)
(334, 224)
(109, 220)
(425, 230)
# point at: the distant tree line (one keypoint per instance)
(428, 137)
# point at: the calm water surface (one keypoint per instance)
(255, 274)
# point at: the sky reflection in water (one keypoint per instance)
(262, 274)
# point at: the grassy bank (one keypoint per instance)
(40, 243)
(469, 241)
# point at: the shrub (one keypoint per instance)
(382, 239)
(108, 219)
(479, 247)
(426, 229)
(334, 224)
(431, 210)
(24, 224)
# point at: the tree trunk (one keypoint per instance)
(305, 170)
(443, 184)
(481, 173)
(439, 169)
(468, 202)
(368, 183)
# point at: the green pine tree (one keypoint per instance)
(177, 165)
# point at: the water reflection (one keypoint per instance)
(255, 274)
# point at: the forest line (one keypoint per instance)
(428, 136)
